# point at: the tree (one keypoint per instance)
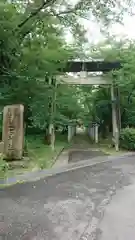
(124, 78)
(33, 46)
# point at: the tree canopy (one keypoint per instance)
(33, 44)
(124, 78)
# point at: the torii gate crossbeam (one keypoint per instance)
(94, 66)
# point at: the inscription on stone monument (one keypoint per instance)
(13, 132)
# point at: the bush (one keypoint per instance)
(127, 138)
(3, 167)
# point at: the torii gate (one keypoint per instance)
(86, 67)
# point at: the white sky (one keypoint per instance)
(127, 30)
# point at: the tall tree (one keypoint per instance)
(124, 78)
(33, 45)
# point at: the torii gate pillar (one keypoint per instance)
(115, 124)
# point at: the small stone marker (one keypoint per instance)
(13, 131)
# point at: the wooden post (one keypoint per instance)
(93, 132)
(75, 130)
(52, 135)
(114, 119)
(52, 114)
(118, 109)
(69, 133)
(96, 133)
(54, 111)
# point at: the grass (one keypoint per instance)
(105, 145)
(40, 156)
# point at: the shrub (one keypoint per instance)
(127, 138)
(3, 167)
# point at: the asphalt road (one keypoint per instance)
(89, 203)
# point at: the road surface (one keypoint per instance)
(86, 203)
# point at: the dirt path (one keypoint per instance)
(81, 149)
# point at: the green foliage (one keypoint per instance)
(3, 166)
(127, 138)
(33, 45)
(124, 78)
(29, 55)
(41, 155)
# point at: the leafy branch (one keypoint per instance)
(44, 5)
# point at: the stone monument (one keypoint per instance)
(13, 132)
